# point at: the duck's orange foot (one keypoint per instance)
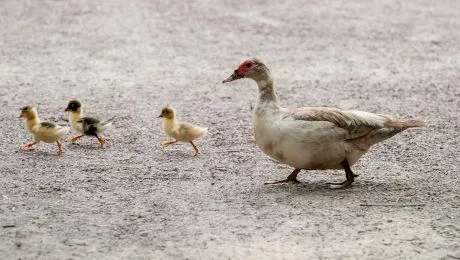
(102, 142)
(76, 138)
(28, 146)
(168, 143)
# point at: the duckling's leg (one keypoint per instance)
(291, 178)
(101, 141)
(348, 173)
(194, 148)
(76, 138)
(168, 143)
(59, 147)
(28, 146)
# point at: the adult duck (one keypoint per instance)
(313, 138)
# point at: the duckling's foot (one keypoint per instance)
(168, 143)
(291, 178)
(194, 148)
(349, 174)
(75, 138)
(28, 146)
(59, 148)
(101, 140)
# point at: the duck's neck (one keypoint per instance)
(32, 121)
(266, 90)
(170, 122)
(75, 116)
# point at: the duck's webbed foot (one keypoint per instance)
(168, 143)
(28, 146)
(348, 173)
(102, 141)
(291, 178)
(76, 138)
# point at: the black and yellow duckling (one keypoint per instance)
(86, 125)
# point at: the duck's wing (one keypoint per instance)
(89, 125)
(88, 120)
(362, 128)
(52, 130)
(191, 131)
(47, 125)
(356, 123)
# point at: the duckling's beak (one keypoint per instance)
(233, 77)
(67, 109)
(160, 116)
(21, 116)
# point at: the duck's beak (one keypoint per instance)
(160, 116)
(67, 109)
(233, 77)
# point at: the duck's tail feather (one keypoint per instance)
(412, 123)
(103, 126)
(63, 130)
(391, 128)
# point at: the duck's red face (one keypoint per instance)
(241, 71)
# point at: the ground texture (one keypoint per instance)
(136, 200)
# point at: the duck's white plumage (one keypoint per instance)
(313, 137)
(319, 137)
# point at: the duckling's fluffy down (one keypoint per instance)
(49, 133)
(187, 132)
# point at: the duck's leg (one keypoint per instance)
(291, 178)
(59, 147)
(101, 140)
(348, 173)
(28, 146)
(194, 148)
(168, 143)
(76, 138)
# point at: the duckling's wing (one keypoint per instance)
(89, 125)
(191, 131)
(47, 125)
(89, 120)
(50, 130)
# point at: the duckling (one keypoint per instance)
(313, 138)
(42, 131)
(180, 131)
(86, 125)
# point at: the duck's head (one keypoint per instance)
(168, 112)
(28, 112)
(253, 69)
(73, 106)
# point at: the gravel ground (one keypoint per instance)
(136, 200)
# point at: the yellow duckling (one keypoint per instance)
(42, 131)
(180, 131)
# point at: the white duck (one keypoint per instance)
(313, 138)
(42, 131)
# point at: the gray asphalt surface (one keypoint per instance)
(136, 200)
